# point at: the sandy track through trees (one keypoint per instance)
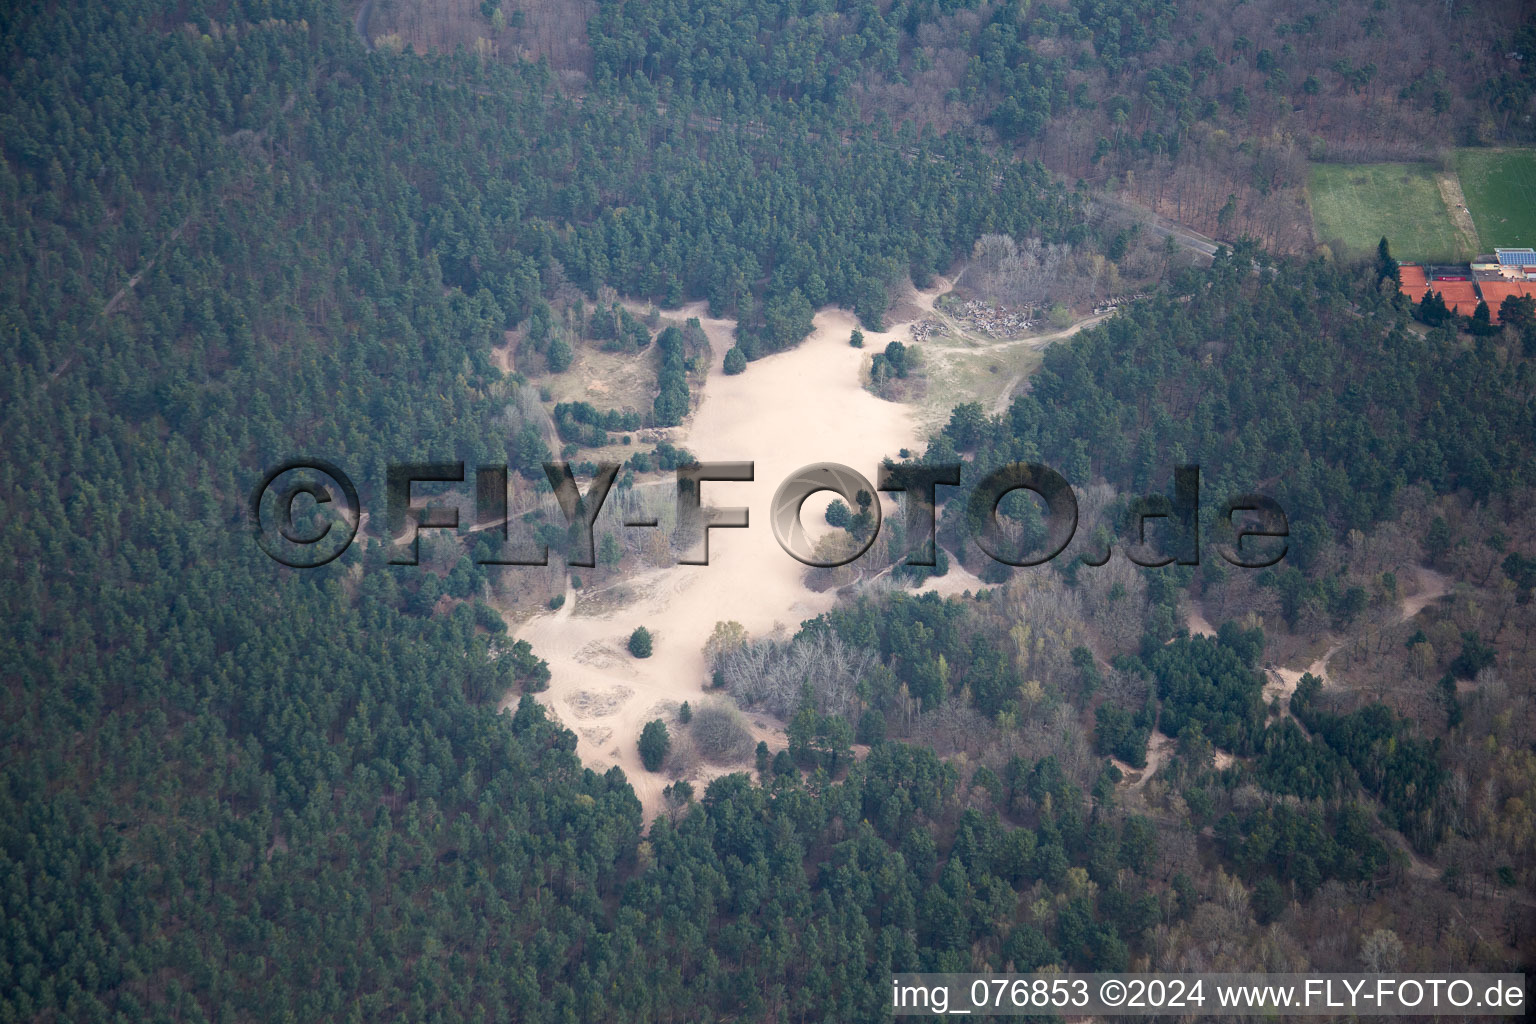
(1279, 682)
(1282, 681)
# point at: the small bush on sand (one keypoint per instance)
(720, 733)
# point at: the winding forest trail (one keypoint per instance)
(1282, 681)
(1431, 586)
(360, 23)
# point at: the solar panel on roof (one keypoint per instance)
(1517, 257)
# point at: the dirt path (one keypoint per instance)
(1188, 237)
(133, 282)
(964, 345)
(360, 23)
(1158, 748)
(1432, 586)
(1456, 205)
(1004, 397)
(953, 583)
(1198, 624)
(1282, 681)
(502, 356)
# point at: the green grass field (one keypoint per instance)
(1500, 186)
(1356, 204)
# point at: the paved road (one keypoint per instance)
(1187, 237)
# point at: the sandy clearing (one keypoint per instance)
(786, 411)
(1198, 624)
(1281, 682)
(962, 367)
(954, 583)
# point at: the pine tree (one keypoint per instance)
(1482, 321)
(1386, 266)
(655, 744)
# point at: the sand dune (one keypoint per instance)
(786, 411)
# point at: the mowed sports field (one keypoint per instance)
(1358, 204)
(1489, 200)
(1500, 186)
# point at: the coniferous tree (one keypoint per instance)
(655, 744)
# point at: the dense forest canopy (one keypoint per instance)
(1298, 381)
(1206, 112)
(233, 232)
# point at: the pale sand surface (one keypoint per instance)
(1198, 624)
(954, 583)
(786, 411)
(1159, 747)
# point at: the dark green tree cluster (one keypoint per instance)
(1293, 764)
(1211, 684)
(1518, 313)
(585, 424)
(1394, 764)
(655, 744)
(672, 379)
(1433, 311)
(1303, 847)
(618, 329)
(665, 456)
(930, 646)
(1124, 734)
(893, 362)
(735, 361)
(819, 740)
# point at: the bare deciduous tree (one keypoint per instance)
(773, 675)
